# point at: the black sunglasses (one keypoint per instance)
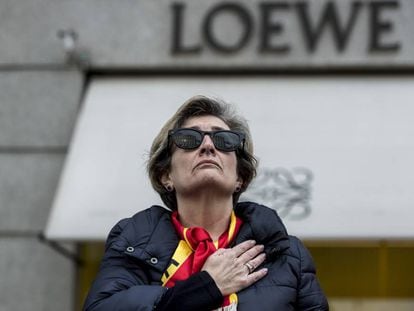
(223, 140)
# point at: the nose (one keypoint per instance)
(207, 146)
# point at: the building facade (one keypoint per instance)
(54, 55)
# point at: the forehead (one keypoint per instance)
(206, 123)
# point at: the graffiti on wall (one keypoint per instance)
(286, 191)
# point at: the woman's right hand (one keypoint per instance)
(233, 269)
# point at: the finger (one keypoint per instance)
(251, 253)
(242, 247)
(250, 267)
(255, 276)
(257, 261)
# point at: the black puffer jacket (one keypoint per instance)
(139, 249)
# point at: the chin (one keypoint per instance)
(211, 184)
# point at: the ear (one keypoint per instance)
(166, 179)
(239, 184)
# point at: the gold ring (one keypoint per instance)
(249, 267)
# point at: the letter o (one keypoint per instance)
(244, 17)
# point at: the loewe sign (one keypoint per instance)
(264, 26)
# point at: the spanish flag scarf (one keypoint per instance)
(193, 250)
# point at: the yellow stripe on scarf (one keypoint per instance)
(232, 226)
(182, 252)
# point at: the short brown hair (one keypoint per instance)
(159, 161)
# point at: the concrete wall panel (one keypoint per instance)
(38, 108)
(34, 277)
(27, 186)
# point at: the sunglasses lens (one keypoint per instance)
(187, 139)
(191, 139)
(226, 141)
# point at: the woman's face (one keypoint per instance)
(204, 168)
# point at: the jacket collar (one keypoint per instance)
(263, 225)
(155, 241)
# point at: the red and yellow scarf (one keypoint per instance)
(193, 250)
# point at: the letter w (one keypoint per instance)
(329, 19)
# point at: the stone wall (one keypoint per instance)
(38, 109)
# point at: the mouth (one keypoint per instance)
(208, 163)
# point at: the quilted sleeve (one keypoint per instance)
(117, 288)
(310, 295)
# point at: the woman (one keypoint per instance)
(210, 252)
